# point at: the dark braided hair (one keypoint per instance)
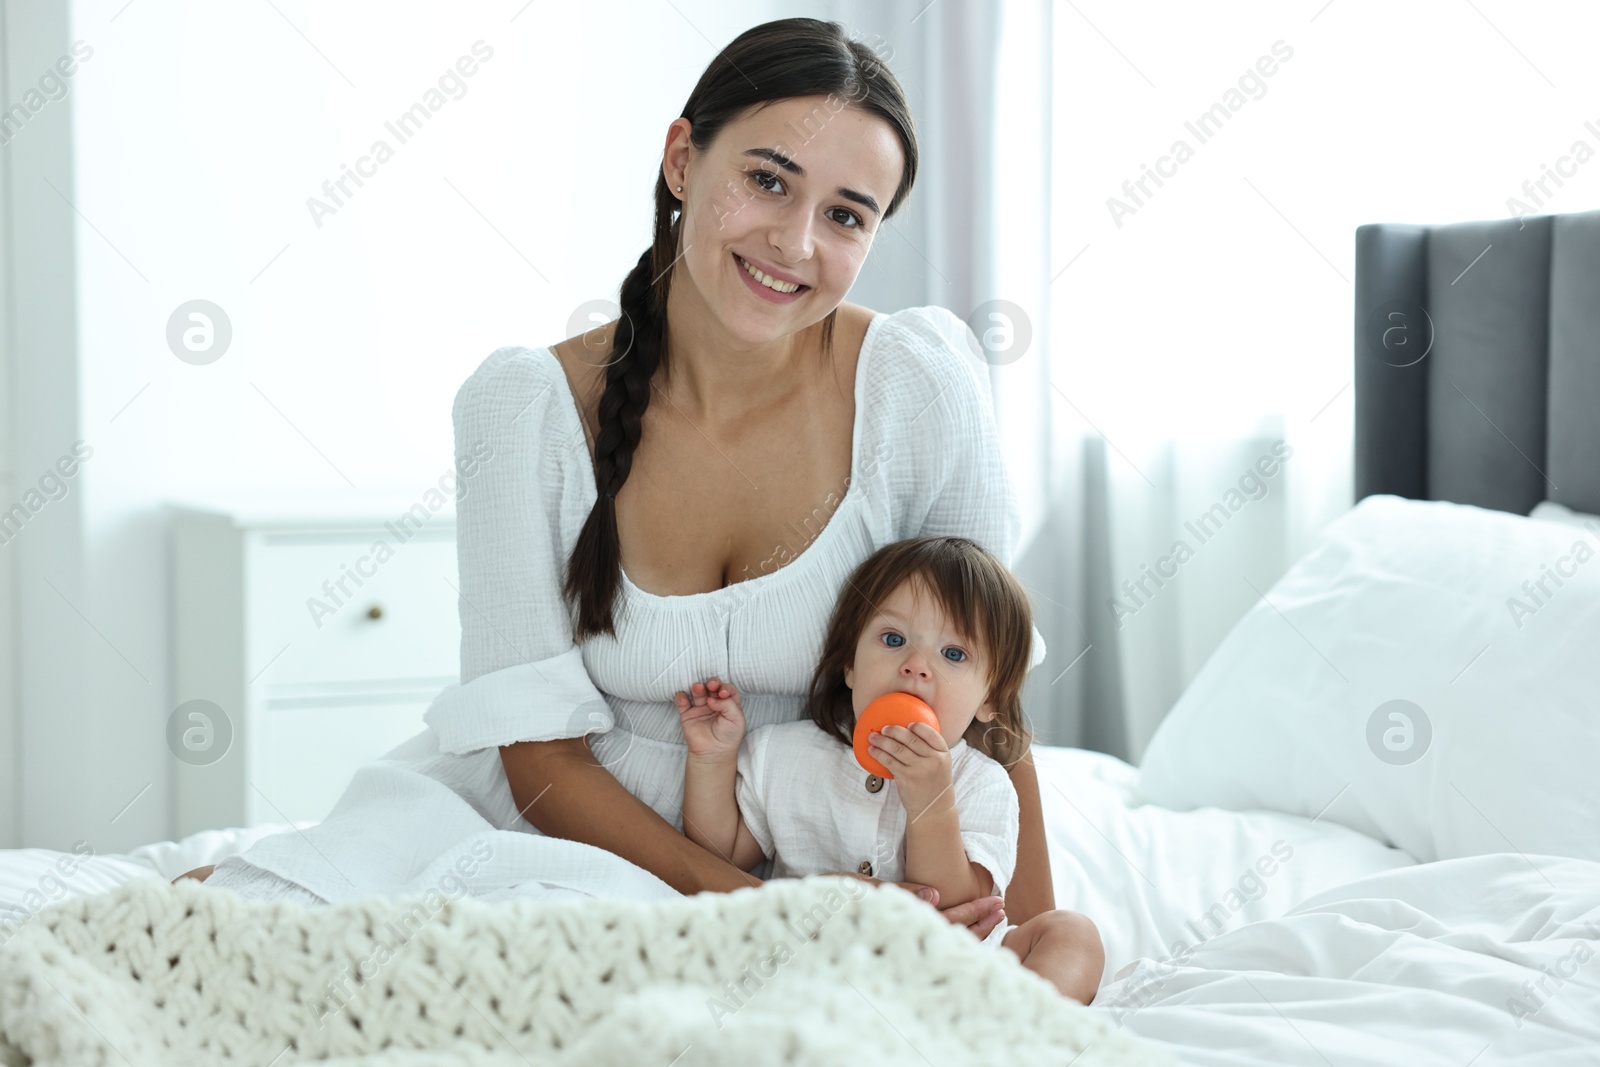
(795, 57)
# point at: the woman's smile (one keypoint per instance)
(765, 292)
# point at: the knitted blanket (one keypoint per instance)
(818, 971)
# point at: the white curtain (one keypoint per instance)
(1178, 422)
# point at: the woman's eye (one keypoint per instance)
(892, 638)
(850, 221)
(959, 653)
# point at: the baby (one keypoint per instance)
(942, 619)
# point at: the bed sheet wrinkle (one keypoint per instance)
(1155, 880)
(1360, 985)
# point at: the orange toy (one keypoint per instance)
(891, 709)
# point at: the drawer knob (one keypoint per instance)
(375, 612)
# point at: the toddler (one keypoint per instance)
(942, 619)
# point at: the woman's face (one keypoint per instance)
(910, 646)
(796, 189)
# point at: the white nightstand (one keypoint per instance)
(318, 628)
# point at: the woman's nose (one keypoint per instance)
(792, 239)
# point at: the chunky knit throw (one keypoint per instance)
(818, 971)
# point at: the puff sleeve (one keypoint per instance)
(971, 492)
(750, 787)
(518, 459)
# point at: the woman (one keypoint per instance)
(741, 439)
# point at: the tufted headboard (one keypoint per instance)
(1477, 361)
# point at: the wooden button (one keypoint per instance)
(865, 868)
(874, 783)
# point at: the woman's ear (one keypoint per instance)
(675, 156)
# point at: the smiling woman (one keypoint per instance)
(618, 546)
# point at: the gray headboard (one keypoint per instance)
(1477, 361)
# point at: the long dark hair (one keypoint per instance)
(977, 593)
(779, 60)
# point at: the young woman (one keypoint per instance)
(681, 491)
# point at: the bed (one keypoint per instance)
(1369, 830)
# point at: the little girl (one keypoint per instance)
(942, 619)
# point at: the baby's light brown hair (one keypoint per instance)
(983, 601)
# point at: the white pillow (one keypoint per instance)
(1496, 747)
(1550, 511)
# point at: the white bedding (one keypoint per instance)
(32, 878)
(1348, 952)
(1236, 937)
(1140, 872)
(1480, 960)
(1145, 873)
(1426, 675)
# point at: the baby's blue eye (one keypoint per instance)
(953, 654)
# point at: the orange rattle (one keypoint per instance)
(891, 709)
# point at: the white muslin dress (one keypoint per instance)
(436, 813)
(814, 810)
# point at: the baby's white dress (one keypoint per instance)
(436, 813)
(814, 810)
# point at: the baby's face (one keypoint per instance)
(910, 646)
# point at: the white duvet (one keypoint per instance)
(1481, 960)
(1235, 937)
(1348, 952)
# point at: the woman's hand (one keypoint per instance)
(712, 717)
(979, 916)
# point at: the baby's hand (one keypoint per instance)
(712, 717)
(920, 762)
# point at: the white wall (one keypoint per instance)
(42, 581)
(189, 143)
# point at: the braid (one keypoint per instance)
(635, 352)
(637, 348)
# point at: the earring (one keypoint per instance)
(680, 188)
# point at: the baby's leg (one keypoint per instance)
(1063, 947)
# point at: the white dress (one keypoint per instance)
(436, 813)
(814, 810)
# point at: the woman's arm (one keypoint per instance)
(563, 792)
(1031, 891)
